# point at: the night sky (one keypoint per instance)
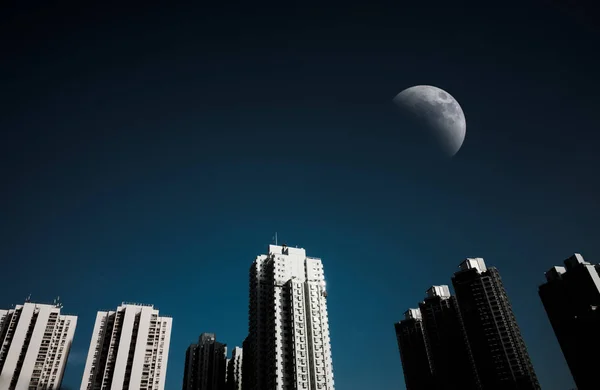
(149, 155)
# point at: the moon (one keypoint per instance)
(438, 112)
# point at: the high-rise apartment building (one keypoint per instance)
(35, 340)
(452, 364)
(414, 351)
(129, 349)
(498, 349)
(571, 297)
(234, 370)
(288, 344)
(205, 364)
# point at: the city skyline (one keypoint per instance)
(469, 340)
(148, 154)
(442, 331)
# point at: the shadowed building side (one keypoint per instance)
(234, 370)
(205, 364)
(500, 354)
(248, 379)
(189, 367)
(450, 354)
(571, 298)
(412, 343)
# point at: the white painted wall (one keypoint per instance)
(58, 335)
(299, 284)
(130, 311)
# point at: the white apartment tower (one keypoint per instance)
(35, 340)
(129, 350)
(288, 340)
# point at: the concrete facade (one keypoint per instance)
(288, 342)
(35, 342)
(128, 350)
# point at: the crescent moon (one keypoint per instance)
(439, 112)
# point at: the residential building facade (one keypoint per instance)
(571, 298)
(414, 351)
(289, 341)
(498, 349)
(450, 355)
(35, 340)
(205, 364)
(129, 349)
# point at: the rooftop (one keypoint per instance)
(473, 263)
(412, 314)
(442, 291)
(136, 304)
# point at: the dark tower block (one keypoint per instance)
(571, 297)
(450, 354)
(414, 351)
(498, 349)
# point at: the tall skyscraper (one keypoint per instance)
(35, 340)
(234, 370)
(571, 297)
(414, 351)
(449, 351)
(205, 364)
(500, 355)
(129, 349)
(289, 345)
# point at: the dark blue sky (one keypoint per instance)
(149, 155)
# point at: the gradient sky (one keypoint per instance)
(149, 154)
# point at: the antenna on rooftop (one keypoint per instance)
(28, 299)
(275, 238)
